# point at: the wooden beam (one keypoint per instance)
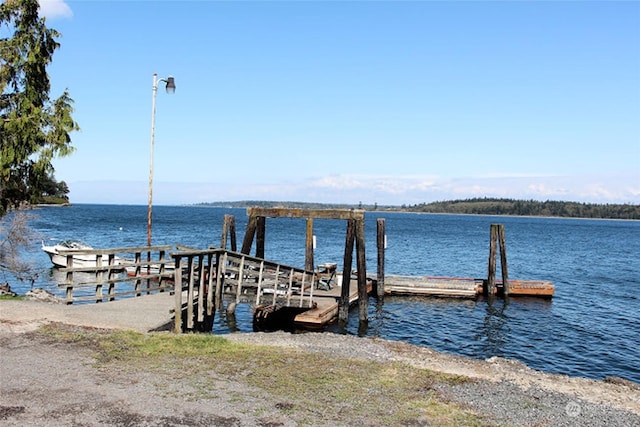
(357, 214)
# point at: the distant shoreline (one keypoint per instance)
(486, 207)
(477, 206)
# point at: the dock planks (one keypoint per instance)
(462, 286)
(325, 308)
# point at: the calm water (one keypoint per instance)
(590, 328)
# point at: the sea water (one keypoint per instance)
(589, 328)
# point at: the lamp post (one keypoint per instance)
(171, 88)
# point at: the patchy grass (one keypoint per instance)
(12, 297)
(308, 387)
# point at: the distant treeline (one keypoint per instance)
(488, 206)
(475, 206)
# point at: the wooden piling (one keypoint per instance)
(343, 309)
(249, 234)
(229, 229)
(260, 236)
(497, 237)
(503, 258)
(381, 249)
(361, 265)
(491, 276)
(309, 263)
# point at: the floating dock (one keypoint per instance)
(325, 301)
(462, 287)
(325, 308)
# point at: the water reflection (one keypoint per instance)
(495, 327)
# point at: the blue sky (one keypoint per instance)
(387, 102)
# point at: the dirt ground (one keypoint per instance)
(45, 383)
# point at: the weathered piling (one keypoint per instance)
(497, 237)
(249, 234)
(363, 292)
(380, 243)
(308, 253)
(229, 229)
(503, 259)
(343, 309)
(261, 231)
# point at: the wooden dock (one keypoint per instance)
(202, 280)
(462, 287)
(325, 309)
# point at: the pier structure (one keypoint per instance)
(256, 226)
(203, 281)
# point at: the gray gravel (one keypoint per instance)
(505, 403)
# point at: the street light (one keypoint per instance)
(171, 88)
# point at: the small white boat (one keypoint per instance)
(58, 254)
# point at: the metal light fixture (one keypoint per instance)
(171, 88)
(171, 84)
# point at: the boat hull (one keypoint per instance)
(58, 254)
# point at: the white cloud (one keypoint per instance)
(52, 9)
(384, 190)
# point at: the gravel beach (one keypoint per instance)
(44, 383)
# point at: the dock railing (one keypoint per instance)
(118, 272)
(204, 278)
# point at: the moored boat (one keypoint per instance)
(59, 252)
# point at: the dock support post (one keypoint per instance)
(229, 229)
(177, 293)
(503, 259)
(343, 309)
(363, 295)
(260, 236)
(380, 240)
(497, 236)
(308, 254)
(249, 234)
(491, 276)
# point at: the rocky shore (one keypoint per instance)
(43, 382)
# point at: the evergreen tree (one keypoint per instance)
(33, 127)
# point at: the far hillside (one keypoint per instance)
(488, 206)
(475, 206)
